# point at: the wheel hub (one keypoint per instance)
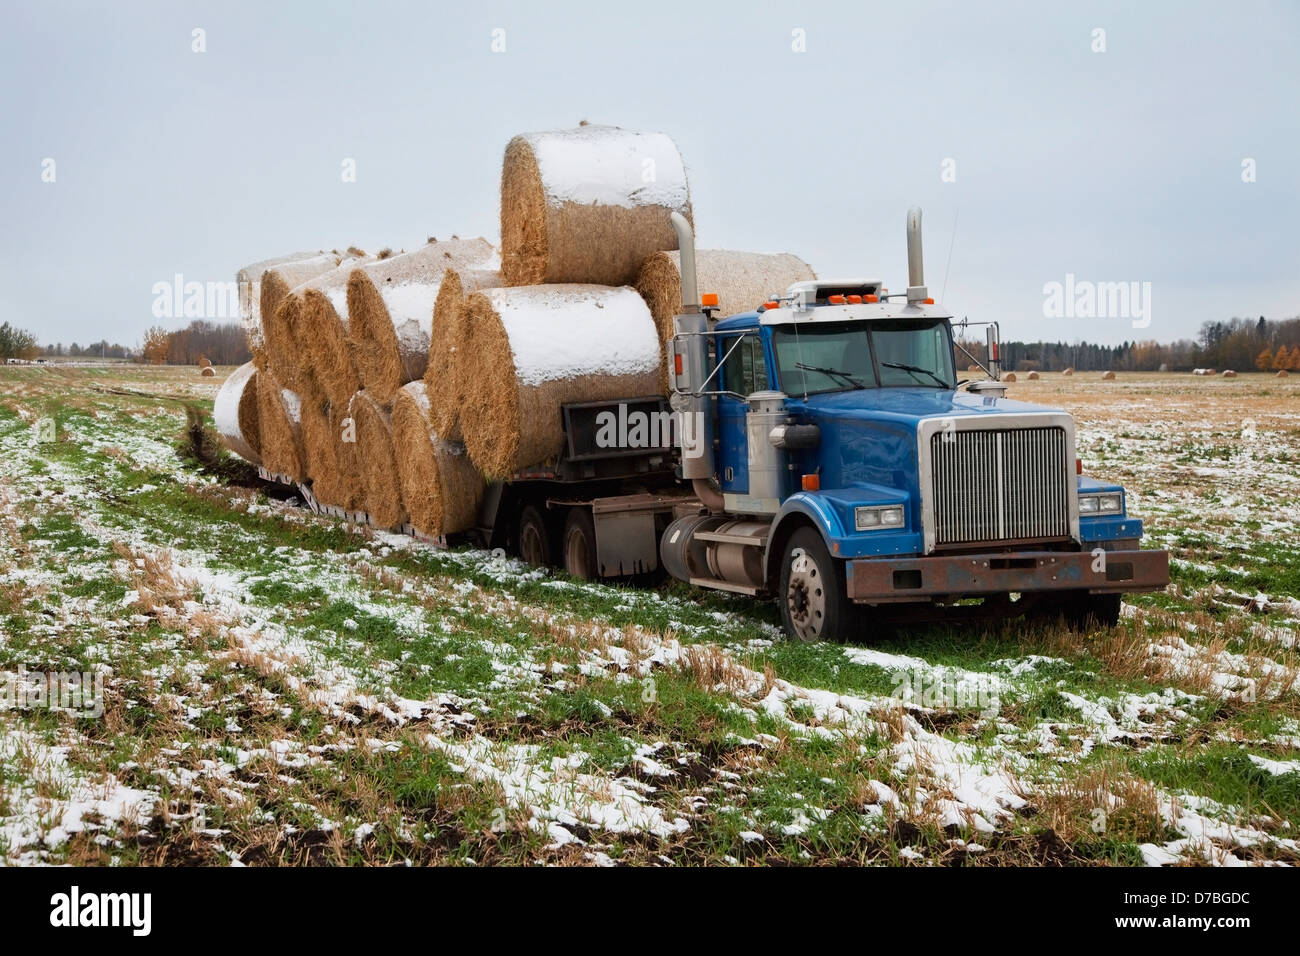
(805, 597)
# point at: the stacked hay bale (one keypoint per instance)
(313, 317)
(235, 413)
(390, 311)
(588, 205)
(279, 415)
(442, 379)
(527, 351)
(441, 488)
(248, 282)
(278, 346)
(377, 460)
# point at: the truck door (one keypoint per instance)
(744, 371)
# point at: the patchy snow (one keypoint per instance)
(609, 166)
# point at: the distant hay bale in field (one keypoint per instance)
(1009, 377)
(742, 281)
(390, 311)
(972, 368)
(1282, 373)
(207, 371)
(315, 318)
(1032, 376)
(248, 281)
(527, 351)
(588, 205)
(1068, 372)
(279, 415)
(444, 390)
(1202, 371)
(441, 488)
(235, 414)
(1229, 373)
(378, 461)
(1108, 376)
(203, 362)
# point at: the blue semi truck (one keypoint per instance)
(825, 454)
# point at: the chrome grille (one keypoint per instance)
(1000, 485)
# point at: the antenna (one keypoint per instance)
(943, 296)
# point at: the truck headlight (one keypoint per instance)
(874, 518)
(1111, 503)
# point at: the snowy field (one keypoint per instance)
(278, 688)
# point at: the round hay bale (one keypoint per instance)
(329, 441)
(1068, 372)
(441, 488)
(207, 371)
(235, 414)
(1282, 373)
(203, 362)
(1108, 376)
(588, 204)
(445, 392)
(973, 368)
(1009, 377)
(528, 351)
(390, 311)
(315, 319)
(275, 284)
(1229, 373)
(742, 281)
(378, 461)
(1032, 376)
(248, 282)
(279, 415)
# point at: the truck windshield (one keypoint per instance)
(837, 356)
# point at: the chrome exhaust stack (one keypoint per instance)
(688, 370)
(916, 290)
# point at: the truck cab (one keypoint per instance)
(843, 469)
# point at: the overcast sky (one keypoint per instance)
(1117, 166)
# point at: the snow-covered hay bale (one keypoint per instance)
(316, 314)
(1229, 373)
(335, 478)
(742, 281)
(588, 204)
(441, 488)
(1108, 376)
(275, 286)
(445, 391)
(390, 311)
(235, 414)
(248, 281)
(378, 461)
(279, 415)
(528, 351)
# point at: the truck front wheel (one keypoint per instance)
(814, 602)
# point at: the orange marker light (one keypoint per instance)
(855, 299)
(771, 305)
(870, 298)
(677, 364)
(837, 300)
(709, 300)
(928, 301)
(1078, 466)
(812, 482)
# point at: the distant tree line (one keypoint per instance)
(101, 349)
(1241, 344)
(221, 343)
(17, 344)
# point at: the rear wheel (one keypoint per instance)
(534, 538)
(814, 602)
(580, 545)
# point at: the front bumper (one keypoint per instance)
(884, 581)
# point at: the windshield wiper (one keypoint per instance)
(829, 371)
(916, 368)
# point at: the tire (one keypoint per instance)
(812, 593)
(534, 537)
(579, 545)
